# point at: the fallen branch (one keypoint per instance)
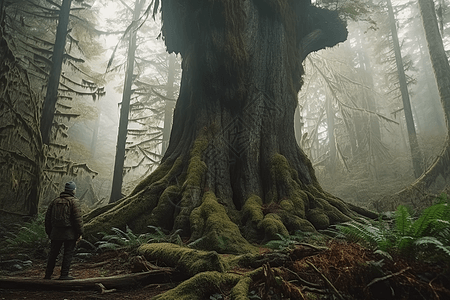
(107, 283)
(326, 281)
(301, 280)
(387, 276)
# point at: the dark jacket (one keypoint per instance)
(72, 232)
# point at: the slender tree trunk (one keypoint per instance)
(116, 192)
(51, 97)
(416, 154)
(435, 104)
(330, 131)
(95, 132)
(169, 104)
(369, 101)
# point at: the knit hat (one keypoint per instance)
(70, 186)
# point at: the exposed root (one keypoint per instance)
(201, 286)
(189, 261)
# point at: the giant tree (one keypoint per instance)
(233, 171)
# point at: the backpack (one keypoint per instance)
(61, 212)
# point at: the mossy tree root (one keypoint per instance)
(175, 197)
(205, 284)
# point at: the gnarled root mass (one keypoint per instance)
(342, 270)
(177, 196)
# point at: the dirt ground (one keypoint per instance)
(106, 264)
(354, 271)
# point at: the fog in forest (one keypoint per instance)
(349, 121)
(225, 149)
(352, 85)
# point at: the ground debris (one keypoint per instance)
(342, 270)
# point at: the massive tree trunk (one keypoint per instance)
(437, 178)
(233, 170)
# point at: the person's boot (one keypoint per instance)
(65, 277)
(49, 270)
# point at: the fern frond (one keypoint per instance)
(404, 243)
(422, 226)
(121, 233)
(361, 233)
(403, 220)
(384, 254)
(428, 240)
(107, 246)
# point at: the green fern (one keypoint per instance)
(29, 236)
(424, 225)
(433, 242)
(129, 241)
(365, 233)
(282, 243)
(406, 236)
(403, 220)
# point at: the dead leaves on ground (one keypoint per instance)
(350, 271)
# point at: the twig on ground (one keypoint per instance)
(327, 281)
(387, 276)
(318, 248)
(302, 281)
(103, 290)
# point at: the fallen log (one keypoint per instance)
(127, 281)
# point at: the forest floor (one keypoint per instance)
(342, 270)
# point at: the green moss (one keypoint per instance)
(200, 287)
(272, 226)
(333, 213)
(161, 215)
(318, 218)
(156, 175)
(286, 183)
(287, 205)
(196, 167)
(132, 209)
(210, 223)
(252, 209)
(280, 169)
(190, 261)
(122, 214)
(294, 223)
(241, 289)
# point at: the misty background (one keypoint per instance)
(350, 119)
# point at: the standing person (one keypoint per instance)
(63, 225)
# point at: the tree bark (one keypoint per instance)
(51, 97)
(233, 171)
(116, 191)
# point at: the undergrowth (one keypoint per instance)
(28, 237)
(424, 237)
(129, 241)
(287, 242)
